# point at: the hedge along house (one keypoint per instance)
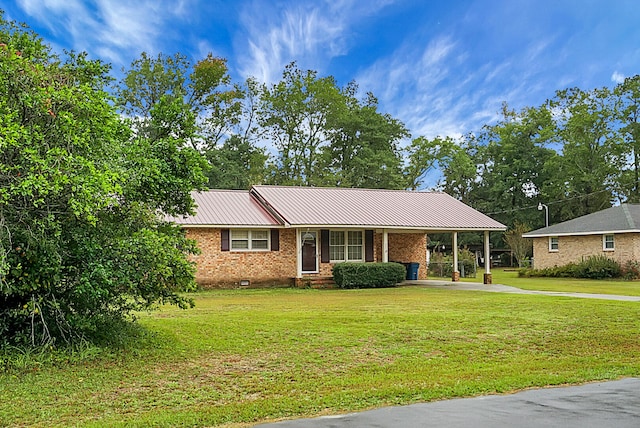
(278, 234)
(613, 232)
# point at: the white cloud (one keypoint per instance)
(115, 30)
(617, 77)
(310, 33)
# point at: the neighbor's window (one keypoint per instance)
(608, 243)
(553, 243)
(346, 246)
(249, 239)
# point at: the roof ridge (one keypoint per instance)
(627, 214)
(364, 189)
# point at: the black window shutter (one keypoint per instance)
(275, 240)
(368, 245)
(324, 246)
(224, 239)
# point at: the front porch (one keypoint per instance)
(318, 250)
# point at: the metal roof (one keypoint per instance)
(618, 219)
(319, 206)
(227, 208)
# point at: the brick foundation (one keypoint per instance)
(488, 279)
(455, 276)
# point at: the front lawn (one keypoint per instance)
(247, 356)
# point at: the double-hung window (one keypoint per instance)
(608, 242)
(553, 243)
(257, 240)
(346, 245)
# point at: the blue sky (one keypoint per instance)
(441, 67)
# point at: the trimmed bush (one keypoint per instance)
(368, 275)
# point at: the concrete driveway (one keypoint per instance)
(595, 405)
(499, 288)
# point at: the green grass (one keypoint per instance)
(247, 356)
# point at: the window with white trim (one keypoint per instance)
(249, 240)
(608, 242)
(346, 245)
(553, 243)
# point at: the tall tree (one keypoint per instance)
(81, 243)
(592, 155)
(294, 115)
(511, 157)
(628, 114)
(363, 145)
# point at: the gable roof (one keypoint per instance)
(621, 218)
(342, 207)
(227, 207)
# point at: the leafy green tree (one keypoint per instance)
(425, 157)
(592, 153)
(81, 240)
(293, 115)
(628, 114)
(237, 164)
(363, 145)
(511, 157)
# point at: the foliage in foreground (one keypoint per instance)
(81, 243)
(304, 353)
(368, 275)
(593, 267)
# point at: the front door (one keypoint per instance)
(309, 252)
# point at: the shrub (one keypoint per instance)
(593, 267)
(368, 275)
(631, 270)
(442, 264)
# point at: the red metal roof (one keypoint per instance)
(318, 206)
(227, 208)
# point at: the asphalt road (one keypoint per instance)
(595, 405)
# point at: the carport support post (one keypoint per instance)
(455, 276)
(488, 279)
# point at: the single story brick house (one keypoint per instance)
(613, 232)
(281, 234)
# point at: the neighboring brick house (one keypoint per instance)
(613, 232)
(279, 234)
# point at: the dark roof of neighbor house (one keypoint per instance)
(227, 207)
(621, 218)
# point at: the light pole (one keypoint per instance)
(546, 210)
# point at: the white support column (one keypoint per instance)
(298, 254)
(385, 246)
(487, 259)
(456, 272)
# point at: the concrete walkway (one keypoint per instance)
(499, 288)
(604, 404)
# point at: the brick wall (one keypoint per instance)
(225, 268)
(575, 248)
(409, 248)
(228, 268)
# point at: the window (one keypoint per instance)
(336, 245)
(257, 240)
(553, 243)
(346, 243)
(608, 243)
